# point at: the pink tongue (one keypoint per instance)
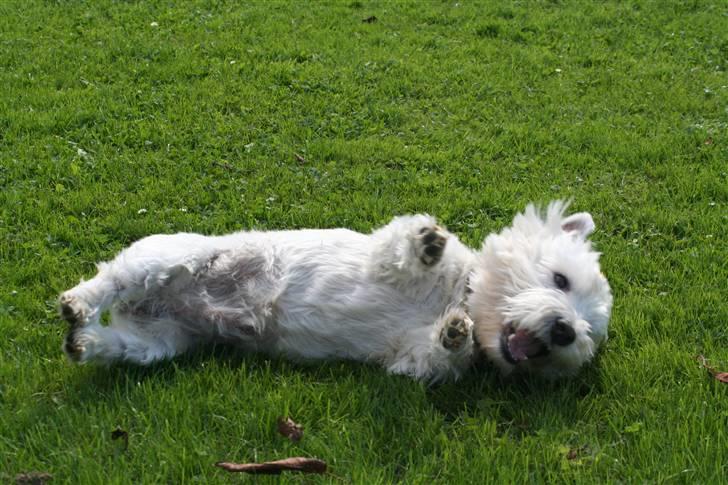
(522, 344)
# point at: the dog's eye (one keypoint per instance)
(561, 282)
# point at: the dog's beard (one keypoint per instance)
(536, 330)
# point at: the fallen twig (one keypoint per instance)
(34, 478)
(296, 464)
(224, 165)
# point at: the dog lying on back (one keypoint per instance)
(409, 295)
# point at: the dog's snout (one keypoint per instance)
(562, 333)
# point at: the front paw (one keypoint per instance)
(454, 334)
(430, 244)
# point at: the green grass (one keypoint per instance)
(285, 115)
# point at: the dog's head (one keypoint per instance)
(539, 301)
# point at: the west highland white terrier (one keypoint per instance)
(409, 295)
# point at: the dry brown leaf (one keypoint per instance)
(119, 433)
(577, 453)
(290, 429)
(719, 376)
(295, 464)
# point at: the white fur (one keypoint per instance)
(322, 294)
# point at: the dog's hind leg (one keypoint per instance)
(87, 339)
(139, 271)
(144, 266)
(84, 303)
(127, 339)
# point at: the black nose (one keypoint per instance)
(562, 333)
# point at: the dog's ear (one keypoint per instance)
(580, 223)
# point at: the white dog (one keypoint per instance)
(409, 296)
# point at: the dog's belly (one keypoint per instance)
(334, 305)
(328, 301)
(361, 320)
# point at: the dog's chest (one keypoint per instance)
(342, 284)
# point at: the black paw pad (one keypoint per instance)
(68, 313)
(454, 335)
(71, 347)
(433, 243)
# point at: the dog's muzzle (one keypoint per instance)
(518, 345)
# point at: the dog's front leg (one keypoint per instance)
(438, 352)
(409, 247)
(456, 331)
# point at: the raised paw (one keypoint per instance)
(73, 310)
(430, 244)
(455, 333)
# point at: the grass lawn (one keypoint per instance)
(122, 119)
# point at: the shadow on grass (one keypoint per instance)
(521, 405)
(100, 379)
(518, 403)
